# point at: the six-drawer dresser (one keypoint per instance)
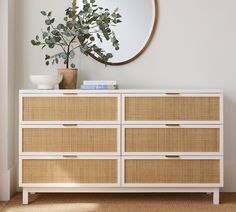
(121, 141)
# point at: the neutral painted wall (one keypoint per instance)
(194, 47)
(7, 100)
(3, 85)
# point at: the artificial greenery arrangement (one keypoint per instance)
(80, 29)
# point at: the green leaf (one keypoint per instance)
(57, 39)
(51, 45)
(52, 20)
(99, 37)
(118, 15)
(47, 22)
(55, 32)
(45, 34)
(72, 65)
(43, 13)
(47, 57)
(92, 38)
(60, 26)
(33, 42)
(47, 63)
(50, 13)
(109, 55)
(63, 55)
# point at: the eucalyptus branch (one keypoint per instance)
(61, 35)
(75, 48)
(82, 23)
(59, 44)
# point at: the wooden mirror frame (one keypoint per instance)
(142, 50)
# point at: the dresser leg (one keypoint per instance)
(216, 197)
(25, 196)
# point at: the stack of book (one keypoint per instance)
(99, 85)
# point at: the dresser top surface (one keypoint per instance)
(125, 91)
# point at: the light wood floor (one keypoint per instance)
(2, 204)
(121, 203)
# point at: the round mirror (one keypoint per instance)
(139, 20)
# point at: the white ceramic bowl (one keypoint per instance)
(46, 82)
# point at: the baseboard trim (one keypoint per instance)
(7, 183)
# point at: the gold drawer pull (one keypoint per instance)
(172, 125)
(172, 156)
(69, 156)
(172, 93)
(70, 125)
(67, 94)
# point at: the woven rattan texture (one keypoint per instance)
(70, 108)
(69, 171)
(172, 108)
(172, 140)
(69, 140)
(172, 171)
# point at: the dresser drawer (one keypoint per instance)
(59, 171)
(72, 108)
(162, 139)
(177, 172)
(171, 108)
(58, 139)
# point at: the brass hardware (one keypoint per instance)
(70, 94)
(172, 156)
(172, 125)
(70, 125)
(69, 156)
(172, 93)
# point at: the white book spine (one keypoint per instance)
(99, 82)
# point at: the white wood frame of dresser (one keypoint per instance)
(220, 153)
(21, 121)
(33, 190)
(120, 91)
(21, 127)
(220, 95)
(172, 185)
(102, 189)
(21, 184)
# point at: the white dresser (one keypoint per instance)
(121, 141)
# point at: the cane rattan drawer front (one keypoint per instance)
(154, 139)
(81, 171)
(172, 108)
(70, 108)
(81, 139)
(171, 171)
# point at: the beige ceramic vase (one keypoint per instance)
(69, 80)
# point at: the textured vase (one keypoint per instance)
(69, 80)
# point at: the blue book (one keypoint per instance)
(99, 87)
(104, 82)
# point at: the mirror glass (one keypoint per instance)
(139, 19)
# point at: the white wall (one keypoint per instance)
(7, 100)
(194, 47)
(3, 83)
